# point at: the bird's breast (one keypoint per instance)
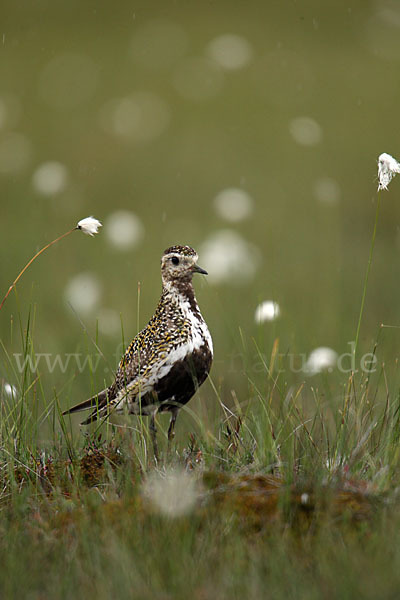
(198, 332)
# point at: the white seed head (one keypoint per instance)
(336, 462)
(387, 169)
(267, 311)
(10, 390)
(90, 225)
(173, 493)
(321, 359)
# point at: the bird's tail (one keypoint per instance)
(97, 402)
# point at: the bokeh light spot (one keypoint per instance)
(83, 292)
(50, 178)
(284, 78)
(68, 80)
(139, 117)
(124, 229)
(382, 30)
(198, 79)
(230, 51)
(327, 190)
(233, 204)
(15, 152)
(305, 131)
(229, 258)
(158, 44)
(109, 321)
(10, 110)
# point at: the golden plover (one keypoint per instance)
(169, 359)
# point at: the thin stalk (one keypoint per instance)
(14, 283)
(371, 251)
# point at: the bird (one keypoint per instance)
(168, 360)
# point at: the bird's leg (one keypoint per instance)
(153, 434)
(171, 428)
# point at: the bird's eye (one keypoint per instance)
(175, 260)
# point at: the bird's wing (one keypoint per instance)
(127, 372)
(137, 372)
(99, 400)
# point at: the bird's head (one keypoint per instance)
(178, 263)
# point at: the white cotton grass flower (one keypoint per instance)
(173, 493)
(387, 169)
(10, 390)
(305, 498)
(335, 462)
(321, 359)
(267, 311)
(89, 225)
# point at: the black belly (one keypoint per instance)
(181, 382)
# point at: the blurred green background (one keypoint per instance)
(248, 130)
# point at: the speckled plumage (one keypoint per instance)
(170, 358)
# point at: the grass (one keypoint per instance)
(291, 493)
(295, 478)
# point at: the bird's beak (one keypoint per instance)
(197, 269)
